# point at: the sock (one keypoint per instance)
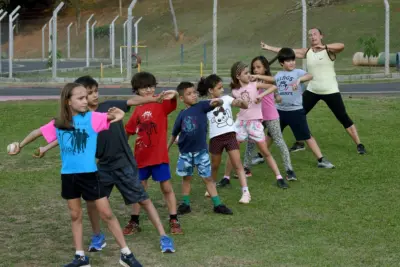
(216, 201)
(279, 177)
(186, 200)
(126, 251)
(135, 218)
(320, 159)
(81, 253)
(227, 177)
(173, 217)
(245, 189)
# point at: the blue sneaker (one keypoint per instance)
(167, 244)
(98, 243)
(79, 261)
(129, 261)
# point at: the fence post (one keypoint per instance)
(215, 36)
(54, 39)
(304, 43)
(181, 54)
(1, 52)
(387, 36)
(11, 19)
(88, 40)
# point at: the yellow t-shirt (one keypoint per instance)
(322, 68)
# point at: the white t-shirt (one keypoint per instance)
(220, 119)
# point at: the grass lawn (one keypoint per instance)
(341, 217)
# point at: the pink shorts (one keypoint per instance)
(252, 130)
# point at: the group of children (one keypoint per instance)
(86, 130)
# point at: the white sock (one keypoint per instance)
(227, 177)
(81, 253)
(245, 189)
(126, 251)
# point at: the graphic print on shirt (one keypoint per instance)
(144, 129)
(73, 141)
(246, 97)
(222, 117)
(284, 83)
(189, 125)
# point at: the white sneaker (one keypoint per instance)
(246, 197)
(207, 194)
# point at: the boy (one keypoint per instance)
(150, 123)
(117, 166)
(191, 125)
(290, 87)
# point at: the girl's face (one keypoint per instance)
(244, 76)
(217, 91)
(258, 68)
(78, 100)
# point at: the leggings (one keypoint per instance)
(274, 130)
(334, 102)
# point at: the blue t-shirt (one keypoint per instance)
(191, 126)
(291, 99)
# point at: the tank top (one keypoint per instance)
(322, 68)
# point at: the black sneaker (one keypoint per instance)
(246, 171)
(224, 182)
(282, 184)
(184, 209)
(129, 261)
(361, 149)
(79, 261)
(222, 209)
(291, 176)
(297, 147)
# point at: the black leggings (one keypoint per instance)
(334, 102)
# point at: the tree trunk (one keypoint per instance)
(120, 8)
(174, 20)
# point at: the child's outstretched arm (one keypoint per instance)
(32, 136)
(41, 151)
(240, 104)
(171, 141)
(115, 114)
(170, 94)
(140, 100)
(305, 78)
(216, 102)
(300, 52)
(268, 79)
(269, 88)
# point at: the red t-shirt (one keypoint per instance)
(150, 123)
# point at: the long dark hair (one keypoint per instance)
(265, 63)
(64, 119)
(206, 83)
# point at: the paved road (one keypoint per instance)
(20, 66)
(376, 88)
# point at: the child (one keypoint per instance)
(150, 123)
(222, 130)
(191, 123)
(260, 66)
(76, 130)
(290, 85)
(248, 123)
(117, 166)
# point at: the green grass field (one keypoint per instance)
(341, 217)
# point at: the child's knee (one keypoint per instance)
(106, 215)
(76, 214)
(166, 188)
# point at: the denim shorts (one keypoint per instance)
(187, 162)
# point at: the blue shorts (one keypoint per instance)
(159, 173)
(187, 162)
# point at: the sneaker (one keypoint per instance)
(224, 182)
(282, 184)
(129, 261)
(184, 209)
(257, 159)
(167, 244)
(206, 194)
(79, 261)
(325, 164)
(297, 147)
(222, 209)
(131, 228)
(175, 227)
(291, 176)
(246, 171)
(98, 243)
(361, 149)
(245, 199)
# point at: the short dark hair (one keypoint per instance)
(183, 86)
(286, 54)
(207, 83)
(142, 80)
(87, 81)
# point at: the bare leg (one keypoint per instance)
(234, 157)
(211, 187)
(136, 206)
(93, 217)
(186, 185)
(153, 215)
(228, 167)
(75, 211)
(352, 131)
(314, 147)
(262, 146)
(215, 162)
(169, 196)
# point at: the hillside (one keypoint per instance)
(241, 27)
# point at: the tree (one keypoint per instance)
(370, 48)
(171, 7)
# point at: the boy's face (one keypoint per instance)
(92, 95)
(289, 65)
(147, 91)
(189, 96)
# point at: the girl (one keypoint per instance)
(76, 130)
(222, 130)
(260, 69)
(248, 124)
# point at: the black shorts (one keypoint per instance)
(297, 121)
(227, 141)
(85, 185)
(127, 181)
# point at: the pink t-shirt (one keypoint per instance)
(268, 108)
(248, 93)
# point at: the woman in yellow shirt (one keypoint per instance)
(324, 86)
